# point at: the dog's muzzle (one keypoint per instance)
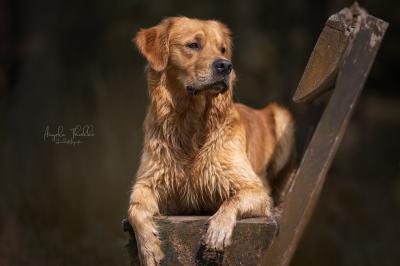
(222, 67)
(220, 86)
(215, 87)
(191, 90)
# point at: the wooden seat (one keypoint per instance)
(181, 241)
(343, 56)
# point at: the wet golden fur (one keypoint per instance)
(202, 153)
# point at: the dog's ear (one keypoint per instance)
(153, 43)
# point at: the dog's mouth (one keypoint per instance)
(217, 87)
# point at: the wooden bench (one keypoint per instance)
(342, 57)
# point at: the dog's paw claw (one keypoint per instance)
(219, 232)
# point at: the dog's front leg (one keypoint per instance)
(249, 202)
(142, 206)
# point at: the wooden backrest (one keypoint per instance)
(344, 53)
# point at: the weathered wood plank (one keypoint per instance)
(326, 57)
(304, 192)
(181, 241)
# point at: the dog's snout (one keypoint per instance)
(222, 66)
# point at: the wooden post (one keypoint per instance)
(365, 34)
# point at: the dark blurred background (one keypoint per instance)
(72, 63)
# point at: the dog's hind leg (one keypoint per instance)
(142, 207)
(283, 131)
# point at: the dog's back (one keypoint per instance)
(269, 136)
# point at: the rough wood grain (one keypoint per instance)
(326, 57)
(304, 192)
(181, 241)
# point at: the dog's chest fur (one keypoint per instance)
(186, 150)
(193, 186)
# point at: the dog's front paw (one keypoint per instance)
(151, 253)
(219, 232)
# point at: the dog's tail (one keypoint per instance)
(282, 127)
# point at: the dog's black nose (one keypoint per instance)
(223, 66)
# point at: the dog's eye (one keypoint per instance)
(193, 45)
(223, 50)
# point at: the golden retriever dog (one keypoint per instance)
(202, 152)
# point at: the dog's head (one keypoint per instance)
(196, 53)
